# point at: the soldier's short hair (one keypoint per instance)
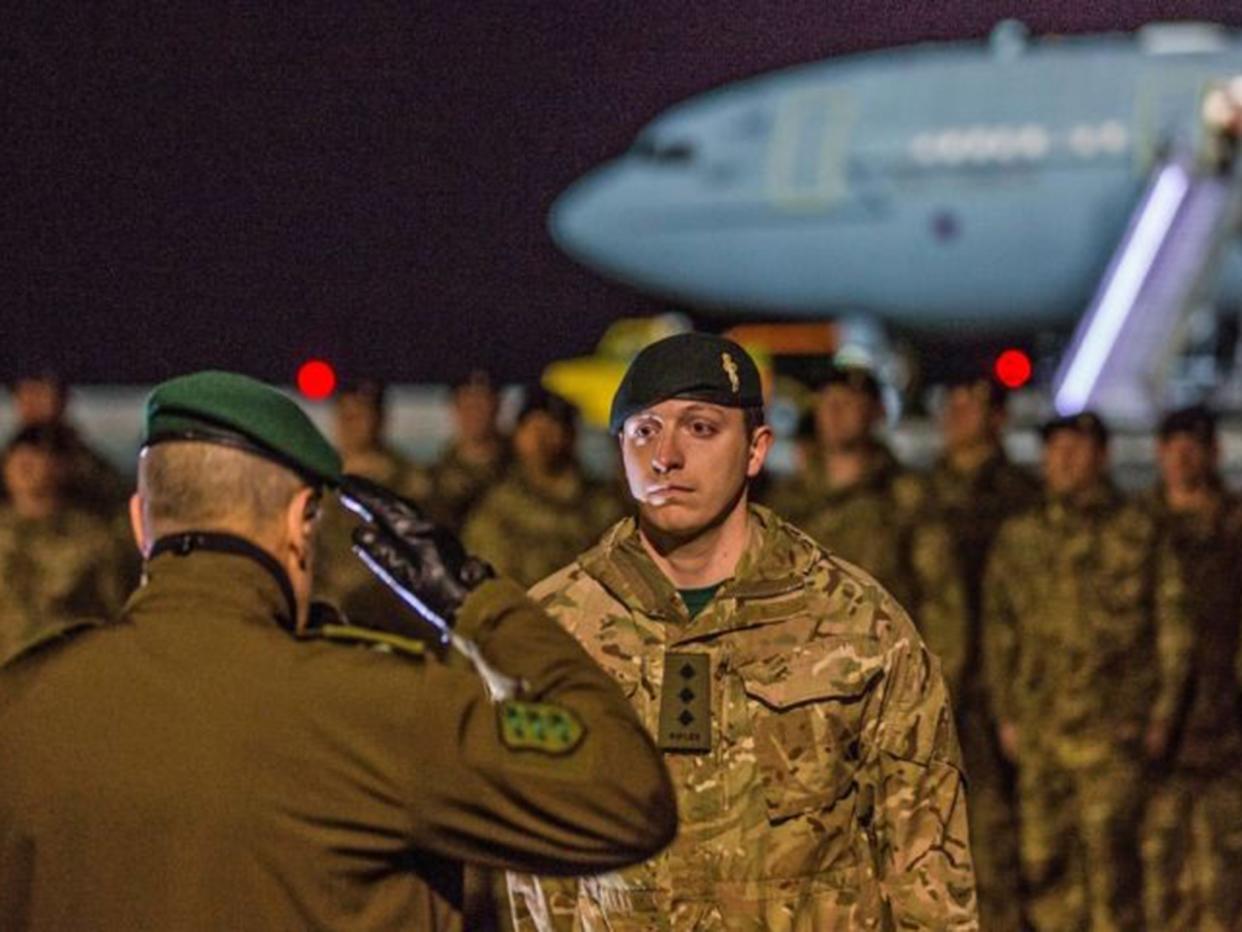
(372, 392)
(56, 439)
(192, 485)
(753, 418)
(1198, 421)
(983, 386)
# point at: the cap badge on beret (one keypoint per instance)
(730, 368)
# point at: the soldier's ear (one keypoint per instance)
(137, 526)
(760, 444)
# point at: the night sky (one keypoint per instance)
(207, 185)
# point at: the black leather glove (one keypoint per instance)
(424, 564)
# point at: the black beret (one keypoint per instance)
(701, 366)
(237, 411)
(859, 378)
(1086, 422)
(1196, 420)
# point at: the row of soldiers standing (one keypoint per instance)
(1089, 640)
(1091, 643)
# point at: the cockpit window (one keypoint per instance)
(665, 152)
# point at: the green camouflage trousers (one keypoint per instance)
(1192, 853)
(993, 821)
(1080, 844)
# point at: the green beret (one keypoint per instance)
(687, 365)
(1087, 422)
(1197, 420)
(234, 410)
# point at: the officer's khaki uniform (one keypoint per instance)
(1192, 843)
(1086, 643)
(972, 506)
(529, 531)
(67, 566)
(831, 797)
(194, 766)
(885, 525)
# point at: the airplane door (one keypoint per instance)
(808, 157)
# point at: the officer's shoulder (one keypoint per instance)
(568, 591)
(46, 638)
(849, 600)
(329, 625)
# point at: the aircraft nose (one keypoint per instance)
(579, 220)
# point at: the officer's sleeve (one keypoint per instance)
(1174, 635)
(564, 781)
(913, 769)
(999, 634)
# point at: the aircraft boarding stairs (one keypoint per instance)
(1165, 267)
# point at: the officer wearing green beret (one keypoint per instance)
(223, 755)
(807, 729)
(1086, 658)
(1192, 833)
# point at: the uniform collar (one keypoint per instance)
(774, 563)
(223, 570)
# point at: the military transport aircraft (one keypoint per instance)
(1017, 185)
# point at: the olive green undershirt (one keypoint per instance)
(696, 599)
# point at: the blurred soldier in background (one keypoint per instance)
(974, 488)
(90, 481)
(57, 561)
(360, 430)
(860, 503)
(1087, 653)
(1192, 845)
(545, 511)
(478, 456)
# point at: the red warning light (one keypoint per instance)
(316, 379)
(1013, 368)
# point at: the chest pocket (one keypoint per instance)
(807, 730)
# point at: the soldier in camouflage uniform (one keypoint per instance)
(1192, 839)
(1087, 652)
(807, 728)
(57, 562)
(359, 433)
(546, 510)
(478, 456)
(855, 499)
(974, 487)
(90, 483)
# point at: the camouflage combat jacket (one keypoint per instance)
(1086, 638)
(885, 525)
(54, 571)
(527, 532)
(831, 797)
(1209, 551)
(972, 506)
(458, 483)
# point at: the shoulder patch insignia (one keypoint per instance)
(539, 726)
